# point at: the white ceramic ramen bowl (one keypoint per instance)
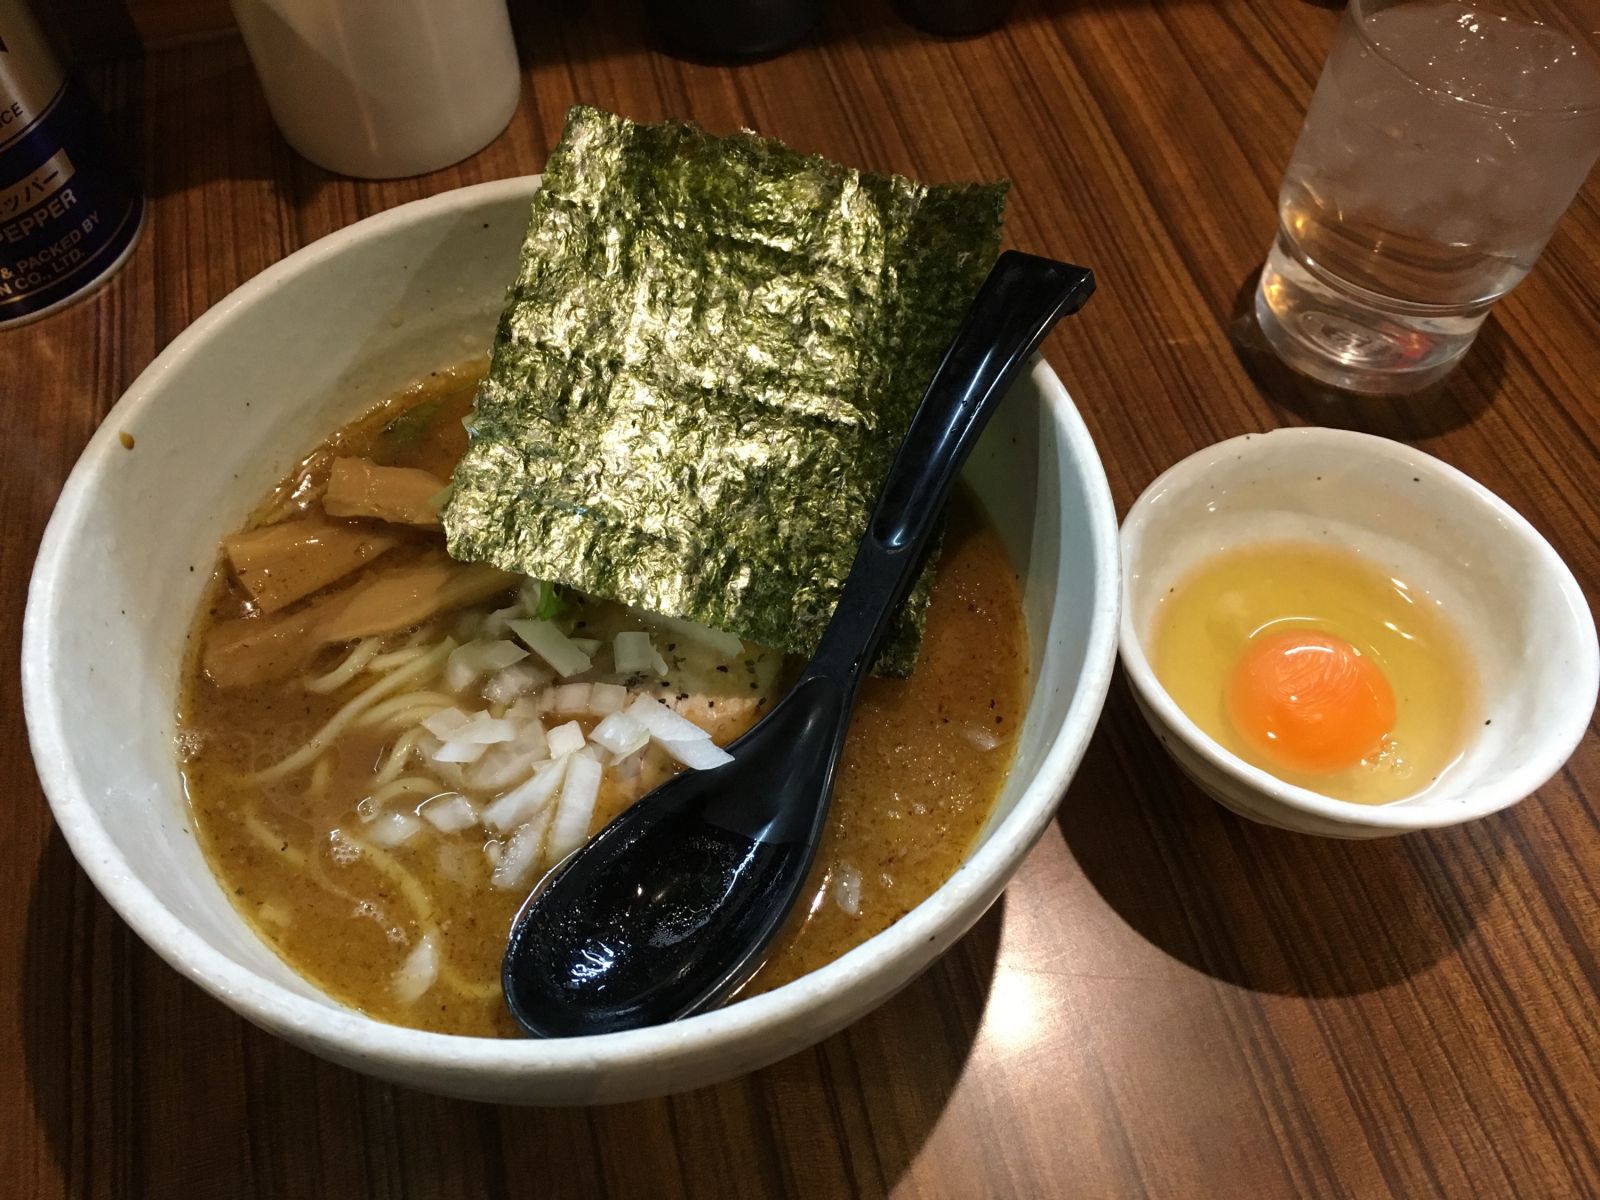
(223, 413)
(1521, 614)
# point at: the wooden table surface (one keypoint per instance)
(1168, 1001)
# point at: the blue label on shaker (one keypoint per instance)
(67, 212)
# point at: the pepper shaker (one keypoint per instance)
(69, 213)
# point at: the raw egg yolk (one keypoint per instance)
(1310, 700)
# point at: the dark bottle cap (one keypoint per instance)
(731, 30)
(954, 18)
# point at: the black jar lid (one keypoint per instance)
(731, 30)
(954, 18)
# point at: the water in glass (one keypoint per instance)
(1441, 147)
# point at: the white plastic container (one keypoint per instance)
(382, 89)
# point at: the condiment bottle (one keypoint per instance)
(731, 30)
(954, 18)
(69, 214)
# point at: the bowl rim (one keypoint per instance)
(1554, 748)
(353, 1035)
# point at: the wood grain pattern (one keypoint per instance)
(1169, 1001)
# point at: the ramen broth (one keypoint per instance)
(300, 854)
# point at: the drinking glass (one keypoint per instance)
(1442, 145)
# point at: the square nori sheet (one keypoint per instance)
(703, 371)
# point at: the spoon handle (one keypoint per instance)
(1023, 296)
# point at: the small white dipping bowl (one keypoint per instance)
(1515, 603)
(224, 412)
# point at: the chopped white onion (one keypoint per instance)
(418, 973)
(498, 623)
(699, 754)
(520, 855)
(575, 808)
(447, 773)
(510, 762)
(459, 752)
(461, 673)
(470, 662)
(632, 652)
(503, 767)
(983, 739)
(628, 766)
(525, 712)
(445, 722)
(499, 653)
(392, 829)
(567, 698)
(621, 734)
(484, 730)
(590, 646)
(517, 805)
(847, 890)
(519, 680)
(516, 860)
(565, 739)
(607, 698)
(662, 722)
(550, 644)
(450, 814)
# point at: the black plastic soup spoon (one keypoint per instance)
(668, 908)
